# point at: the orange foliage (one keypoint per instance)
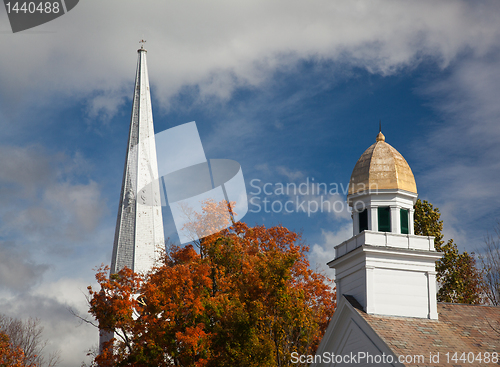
(214, 217)
(250, 300)
(10, 356)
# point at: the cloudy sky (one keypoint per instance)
(292, 90)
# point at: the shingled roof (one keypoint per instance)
(460, 328)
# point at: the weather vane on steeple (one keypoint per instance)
(142, 42)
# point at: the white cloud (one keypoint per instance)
(219, 45)
(17, 270)
(22, 169)
(292, 175)
(78, 207)
(459, 162)
(51, 303)
(40, 201)
(106, 104)
(45, 214)
(325, 251)
(468, 98)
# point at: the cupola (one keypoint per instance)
(384, 265)
(382, 190)
(381, 167)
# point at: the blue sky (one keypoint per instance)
(291, 90)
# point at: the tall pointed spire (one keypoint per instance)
(139, 226)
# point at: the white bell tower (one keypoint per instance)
(388, 269)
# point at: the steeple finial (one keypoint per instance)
(142, 42)
(380, 136)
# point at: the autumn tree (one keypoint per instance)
(27, 336)
(249, 300)
(459, 279)
(10, 355)
(212, 218)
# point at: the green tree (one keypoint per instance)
(459, 279)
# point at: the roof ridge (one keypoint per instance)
(467, 304)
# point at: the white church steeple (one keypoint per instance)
(384, 266)
(139, 226)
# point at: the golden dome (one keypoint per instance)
(381, 167)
